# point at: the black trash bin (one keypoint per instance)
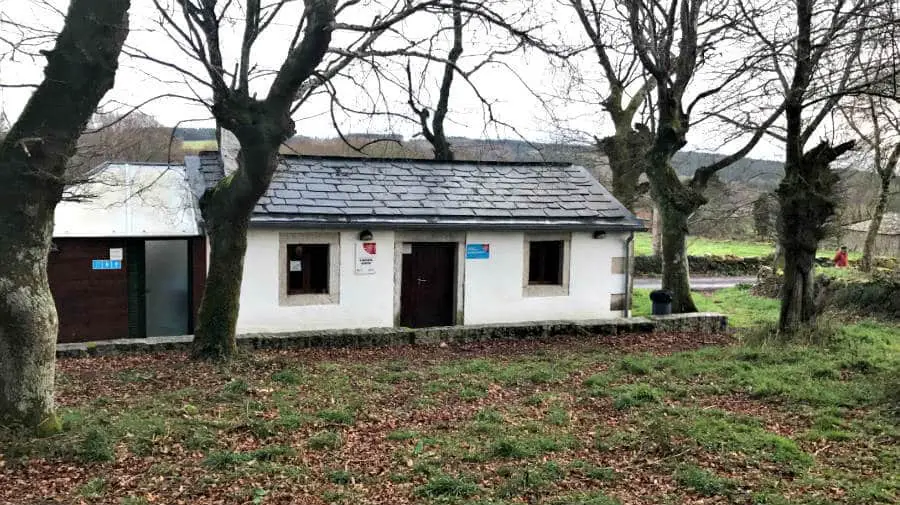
(662, 302)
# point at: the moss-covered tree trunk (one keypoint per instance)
(807, 201)
(260, 127)
(675, 201)
(626, 151)
(33, 157)
(675, 268)
(220, 305)
(28, 323)
(865, 263)
(227, 209)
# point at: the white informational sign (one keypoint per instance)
(296, 266)
(365, 258)
(116, 253)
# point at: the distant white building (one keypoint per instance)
(354, 243)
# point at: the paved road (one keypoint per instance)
(697, 283)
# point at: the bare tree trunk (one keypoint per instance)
(626, 151)
(798, 290)
(29, 323)
(226, 210)
(33, 157)
(806, 195)
(220, 304)
(656, 232)
(675, 273)
(868, 255)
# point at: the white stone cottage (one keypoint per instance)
(341, 243)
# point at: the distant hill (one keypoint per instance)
(195, 134)
(763, 174)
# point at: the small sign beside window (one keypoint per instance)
(365, 258)
(296, 266)
(478, 251)
(116, 253)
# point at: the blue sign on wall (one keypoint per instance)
(478, 251)
(106, 264)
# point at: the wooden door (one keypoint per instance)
(428, 285)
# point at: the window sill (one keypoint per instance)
(300, 300)
(543, 290)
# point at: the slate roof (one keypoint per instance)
(890, 224)
(333, 191)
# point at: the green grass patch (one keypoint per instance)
(703, 481)
(448, 486)
(324, 440)
(333, 416)
(591, 498)
(701, 246)
(742, 308)
(288, 376)
(528, 445)
(341, 477)
(402, 435)
(93, 488)
(221, 460)
(724, 433)
(632, 395)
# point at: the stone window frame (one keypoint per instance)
(333, 240)
(544, 290)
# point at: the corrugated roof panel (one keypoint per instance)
(130, 200)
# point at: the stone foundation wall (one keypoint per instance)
(709, 323)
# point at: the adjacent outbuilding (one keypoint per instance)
(887, 242)
(341, 243)
(128, 256)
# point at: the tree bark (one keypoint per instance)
(626, 151)
(80, 70)
(220, 305)
(798, 290)
(260, 126)
(675, 271)
(28, 321)
(865, 264)
(226, 210)
(806, 195)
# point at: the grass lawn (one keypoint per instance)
(700, 246)
(743, 309)
(656, 419)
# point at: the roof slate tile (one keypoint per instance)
(317, 189)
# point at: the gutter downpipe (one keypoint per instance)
(628, 296)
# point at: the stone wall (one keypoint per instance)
(708, 323)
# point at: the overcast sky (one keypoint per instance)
(510, 88)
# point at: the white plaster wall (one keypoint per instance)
(493, 290)
(365, 300)
(494, 294)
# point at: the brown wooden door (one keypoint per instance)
(428, 284)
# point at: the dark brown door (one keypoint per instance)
(428, 283)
